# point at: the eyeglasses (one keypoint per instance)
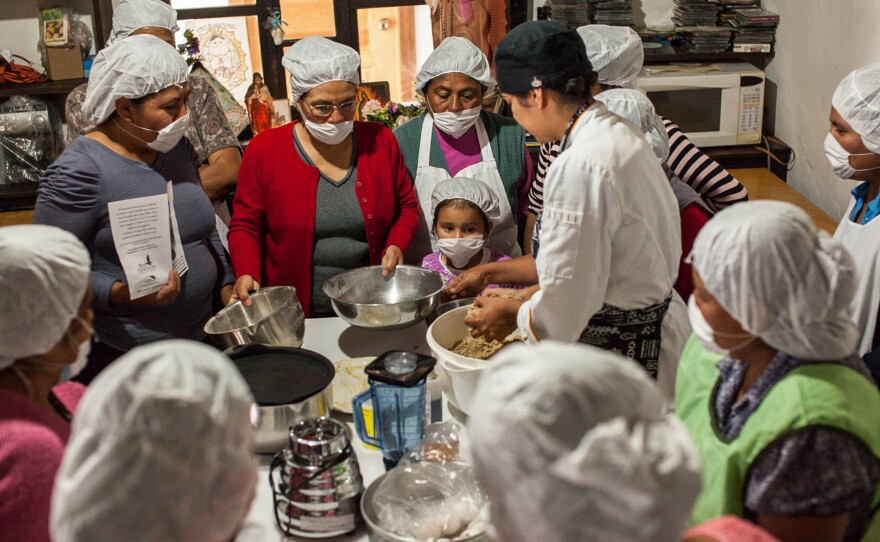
(325, 110)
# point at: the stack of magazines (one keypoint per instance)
(754, 30)
(704, 39)
(611, 12)
(730, 7)
(690, 13)
(572, 13)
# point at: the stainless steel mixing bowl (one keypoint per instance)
(364, 298)
(377, 533)
(443, 308)
(274, 317)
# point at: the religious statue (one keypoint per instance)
(259, 105)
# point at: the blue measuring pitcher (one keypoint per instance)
(398, 391)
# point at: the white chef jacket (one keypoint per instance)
(610, 233)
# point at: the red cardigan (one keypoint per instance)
(693, 218)
(272, 228)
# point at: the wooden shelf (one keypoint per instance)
(15, 197)
(683, 56)
(37, 89)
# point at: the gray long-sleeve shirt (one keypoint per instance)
(73, 195)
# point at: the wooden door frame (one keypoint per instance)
(346, 23)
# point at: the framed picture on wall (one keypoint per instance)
(282, 112)
(379, 91)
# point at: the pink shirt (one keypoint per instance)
(432, 262)
(32, 441)
(465, 152)
(730, 529)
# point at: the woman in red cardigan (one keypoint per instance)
(320, 196)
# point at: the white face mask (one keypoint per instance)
(460, 250)
(329, 133)
(706, 335)
(457, 123)
(69, 370)
(82, 349)
(167, 138)
(839, 157)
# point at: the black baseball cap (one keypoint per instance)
(539, 54)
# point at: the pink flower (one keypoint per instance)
(401, 120)
(371, 106)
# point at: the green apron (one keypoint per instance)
(813, 394)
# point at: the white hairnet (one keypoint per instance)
(131, 15)
(780, 278)
(133, 67)
(569, 443)
(470, 190)
(44, 275)
(615, 52)
(857, 99)
(456, 55)
(161, 448)
(635, 107)
(315, 60)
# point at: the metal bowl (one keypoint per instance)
(274, 317)
(448, 306)
(364, 298)
(377, 533)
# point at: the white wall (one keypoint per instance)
(20, 31)
(817, 44)
(424, 38)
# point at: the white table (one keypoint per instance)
(336, 340)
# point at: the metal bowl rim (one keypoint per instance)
(228, 308)
(360, 269)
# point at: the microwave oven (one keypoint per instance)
(715, 109)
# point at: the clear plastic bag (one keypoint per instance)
(81, 35)
(30, 139)
(443, 443)
(433, 492)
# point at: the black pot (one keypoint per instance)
(289, 385)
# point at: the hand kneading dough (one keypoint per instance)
(479, 347)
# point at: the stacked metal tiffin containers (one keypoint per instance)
(316, 482)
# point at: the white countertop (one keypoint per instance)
(335, 339)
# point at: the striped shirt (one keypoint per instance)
(717, 187)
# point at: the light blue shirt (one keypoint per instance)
(873, 209)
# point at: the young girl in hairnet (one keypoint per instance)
(464, 211)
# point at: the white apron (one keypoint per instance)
(676, 332)
(863, 242)
(503, 235)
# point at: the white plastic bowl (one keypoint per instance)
(461, 373)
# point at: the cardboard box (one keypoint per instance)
(64, 63)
